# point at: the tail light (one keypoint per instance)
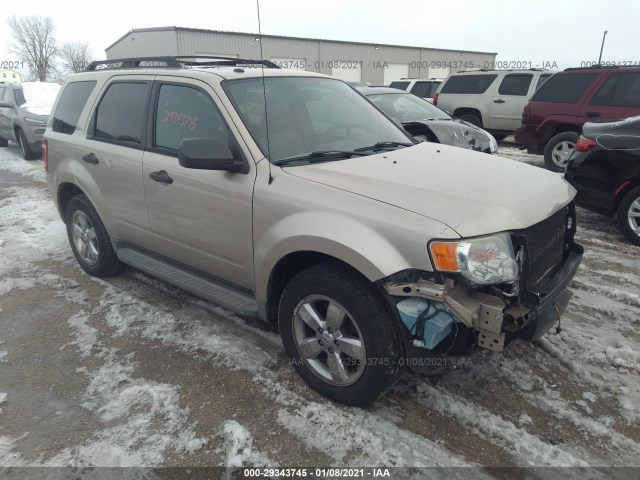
(585, 144)
(45, 154)
(435, 99)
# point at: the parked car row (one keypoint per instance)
(24, 111)
(289, 197)
(552, 120)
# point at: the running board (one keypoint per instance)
(198, 284)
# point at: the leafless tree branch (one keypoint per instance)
(33, 43)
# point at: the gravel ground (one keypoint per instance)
(130, 371)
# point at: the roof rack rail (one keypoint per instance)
(600, 65)
(182, 61)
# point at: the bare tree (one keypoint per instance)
(75, 56)
(33, 43)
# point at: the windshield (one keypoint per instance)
(37, 97)
(406, 107)
(308, 115)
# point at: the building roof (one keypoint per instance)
(256, 35)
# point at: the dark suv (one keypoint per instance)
(553, 118)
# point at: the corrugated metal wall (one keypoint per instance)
(318, 55)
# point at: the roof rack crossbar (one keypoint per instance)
(181, 61)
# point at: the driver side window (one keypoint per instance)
(186, 112)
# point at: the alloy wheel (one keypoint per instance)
(561, 153)
(329, 340)
(84, 238)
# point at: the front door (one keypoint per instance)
(201, 218)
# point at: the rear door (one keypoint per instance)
(616, 97)
(203, 218)
(110, 156)
(509, 102)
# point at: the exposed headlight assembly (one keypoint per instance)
(482, 261)
(493, 144)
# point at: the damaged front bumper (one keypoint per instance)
(483, 319)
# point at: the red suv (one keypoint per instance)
(553, 118)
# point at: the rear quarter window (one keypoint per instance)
(567, 88)
(72, 101)
(473, 84)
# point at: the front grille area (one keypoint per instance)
(545, 247)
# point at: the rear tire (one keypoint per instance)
(499, 138)
(559, 149)
(629, 215)
(89, 239)
(27, 153)
(351, 344)
(3, 142)
(472, 119)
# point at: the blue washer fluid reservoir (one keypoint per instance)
(435, 329)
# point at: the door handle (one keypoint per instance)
(90, 158)
(498, 101)
(593, 114)
(161, 177)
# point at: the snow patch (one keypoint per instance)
(239, 449)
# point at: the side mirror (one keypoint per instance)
(5, 105)
(209, 154)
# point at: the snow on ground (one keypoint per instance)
(569, 400)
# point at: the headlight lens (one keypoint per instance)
(34, 121)
(483, 260)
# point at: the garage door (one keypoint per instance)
(292, 63)
(347, 70)
(439, 72)
(395, 71)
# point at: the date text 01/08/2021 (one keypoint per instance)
(271, 472)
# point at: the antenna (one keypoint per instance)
(264, 94)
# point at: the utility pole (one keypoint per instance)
(602, 47)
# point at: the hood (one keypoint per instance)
(459, 133)
(472, 193)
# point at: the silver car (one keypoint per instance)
(24, 111)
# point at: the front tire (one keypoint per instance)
(472, 119)
(338, 334)
(27, 153)
(629, 215)
(559, 149)
(89, 239)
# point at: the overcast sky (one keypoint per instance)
(566, 32)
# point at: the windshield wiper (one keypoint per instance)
(384, 146)
(322, 155)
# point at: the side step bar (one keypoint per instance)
(193, 282)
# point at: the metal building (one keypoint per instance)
(375, 64)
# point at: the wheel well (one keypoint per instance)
(618, 199)
(287, 268)
(468, 111)
(560, 129)
(65, 193)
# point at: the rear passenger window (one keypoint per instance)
(399, 85)
(468, 84)
(564, 88)
(186, 112)
(70, 105)
(120, 115)
(516, 84)
(620, 90)
(422, 89)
